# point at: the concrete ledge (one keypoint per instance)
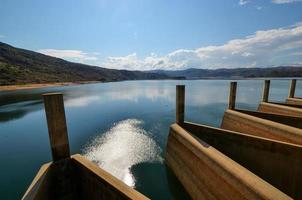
(285, 104)
(283, 119)
(294, 101)
(206, 173)
(280, 109)
(244, 123)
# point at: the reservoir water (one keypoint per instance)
(121, 126)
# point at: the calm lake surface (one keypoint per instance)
(121, 126)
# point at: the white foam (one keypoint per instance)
(123, 146)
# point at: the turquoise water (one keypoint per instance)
(121, 126)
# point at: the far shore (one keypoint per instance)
(42, 85)
(58, 84)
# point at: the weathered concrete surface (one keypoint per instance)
(278, 108)
(180, 104)
(276, 162)
(286, 104)
(265, 93)
(292, 88)
(96, 183)
(244, 123)
(82, 179)
(57, 128)
(294, 101)
(283, 119)
(232, 96)
(55, 180)
(206, 173)
(39, 188)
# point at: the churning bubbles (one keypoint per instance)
(124, 145)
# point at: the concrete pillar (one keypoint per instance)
(265, 93)
(56, 122)
(232, 97)
(180, 104)
(292, 88)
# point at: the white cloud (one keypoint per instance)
(264, 48)
(284, 1)
(71, 55)
(243, 2)
(282, 46)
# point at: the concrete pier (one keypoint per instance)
(232, 97)
(292, 88)
(56, 122)
(180, 104)
(266, 87)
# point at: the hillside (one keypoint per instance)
(20, 66)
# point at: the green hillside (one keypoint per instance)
(20, 66)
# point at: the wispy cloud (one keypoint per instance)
(259, 7)
(243, 2)
(264, 48)
(2, 36)
(284, 1)
(71, 55)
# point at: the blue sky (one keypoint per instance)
(158, 34)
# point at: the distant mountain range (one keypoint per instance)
(20, 66)
(281, 71)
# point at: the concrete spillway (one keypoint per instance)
(254, 155)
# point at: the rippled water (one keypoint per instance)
(126, 144)
(122, 127)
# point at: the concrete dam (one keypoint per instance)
(253, 155)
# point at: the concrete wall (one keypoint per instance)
(95, 183)
(280, 109)
(239, 121)
(77, 178)
(276, 162)
(206, 173)
(54, 181)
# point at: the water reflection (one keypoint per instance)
(123, 146)
(18, 110)
(198, 93)
(137, 147)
